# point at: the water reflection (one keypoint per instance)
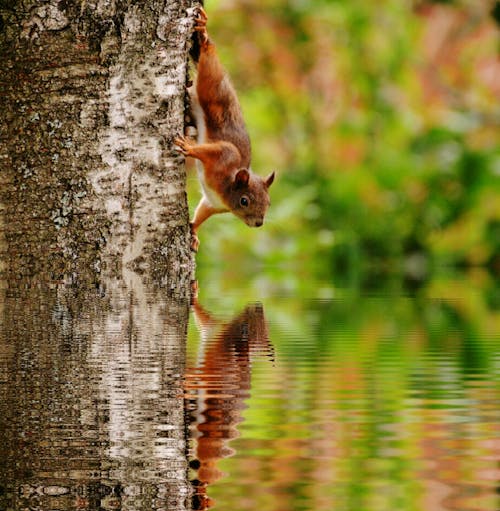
(218, 385)
(362, 401)
(92, 411)
(373, 403)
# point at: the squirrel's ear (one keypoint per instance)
(269, 180)
(241, 178)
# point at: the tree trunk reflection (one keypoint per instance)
(91, 386)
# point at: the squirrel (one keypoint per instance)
(223, 150)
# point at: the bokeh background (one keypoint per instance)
(382, 122)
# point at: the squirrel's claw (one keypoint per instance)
(201, 25)
(201, 15)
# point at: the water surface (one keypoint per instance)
(267, 395)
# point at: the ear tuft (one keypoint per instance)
(269, 180)
(241, 178)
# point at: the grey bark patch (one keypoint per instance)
(93, 97)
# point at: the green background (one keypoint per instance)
(381, 120)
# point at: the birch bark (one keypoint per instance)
(92, 94)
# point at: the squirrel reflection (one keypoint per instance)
(219, 384)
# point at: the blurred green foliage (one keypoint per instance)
(382, 121)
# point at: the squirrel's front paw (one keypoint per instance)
(184, 144)
(195, 242)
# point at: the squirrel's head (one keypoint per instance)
(249, 197)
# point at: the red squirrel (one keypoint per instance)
(223, 149)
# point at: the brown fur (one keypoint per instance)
(228, 182)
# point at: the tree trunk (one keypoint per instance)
(92, 94)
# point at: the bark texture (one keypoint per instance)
(91, 393)
(92, 94)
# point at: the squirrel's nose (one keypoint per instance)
(258, 223)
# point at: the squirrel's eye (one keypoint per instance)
(244, 201)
